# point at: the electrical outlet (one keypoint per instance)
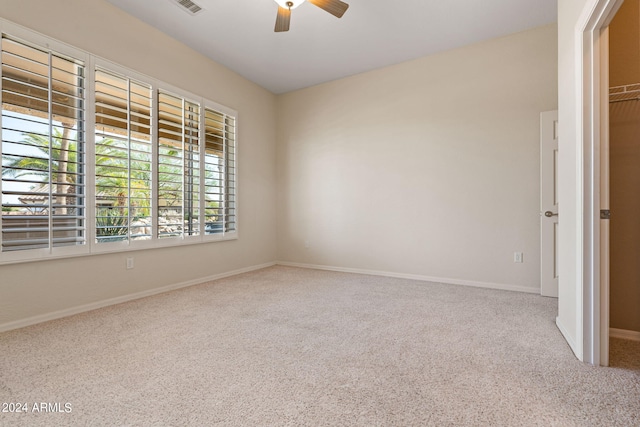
(518, 257)
(306, 244)
(129, 263)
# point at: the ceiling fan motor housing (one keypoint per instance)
(335, 7)
(289, 4)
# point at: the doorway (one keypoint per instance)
(594, 105)
(592, 343)
(624, 171)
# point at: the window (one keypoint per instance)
(43, 140)
(191, 163)
(178, 167)
(220, 172)
(123, 158)
(156, 168)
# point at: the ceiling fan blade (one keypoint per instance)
(335, 7)
(283, 19)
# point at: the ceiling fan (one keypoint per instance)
(335, 7)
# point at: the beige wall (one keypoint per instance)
(430, 167)
(624, 66)
(38, 288)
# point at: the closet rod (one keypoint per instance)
(637, 98)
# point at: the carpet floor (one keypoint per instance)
(294, 347)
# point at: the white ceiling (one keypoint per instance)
(319, 47)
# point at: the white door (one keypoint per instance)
(549, 203)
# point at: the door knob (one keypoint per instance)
(549, 214)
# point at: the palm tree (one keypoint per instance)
(123, 177)
(125, 180)
(63, 155)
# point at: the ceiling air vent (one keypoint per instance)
(188, 6)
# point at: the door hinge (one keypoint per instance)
(605, 214)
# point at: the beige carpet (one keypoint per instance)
(295, 347)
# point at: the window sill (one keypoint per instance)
(17, 257)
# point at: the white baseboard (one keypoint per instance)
(624, 334)
(117, 300)
(449, 281)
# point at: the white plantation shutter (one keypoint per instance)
(158, 164)
(178, 166)
(123, 158)
(231, 174)
(220, 172)
(43, 141)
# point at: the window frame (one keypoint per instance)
(43, 43)
(91, 246)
